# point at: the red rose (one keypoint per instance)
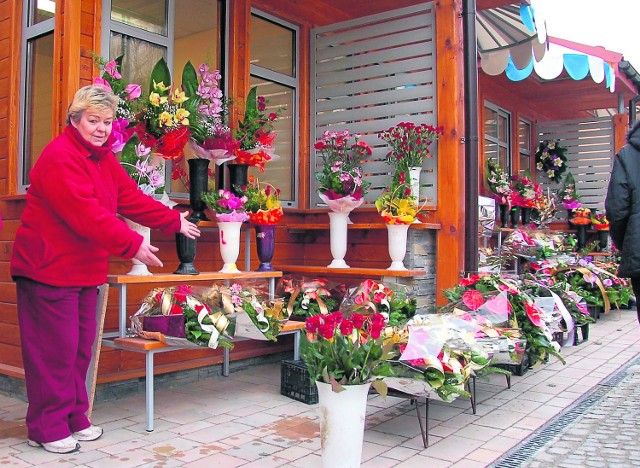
(326, 330)
(346, 327)
(357, 320)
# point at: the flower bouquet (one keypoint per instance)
(499, 183)
(394, 303)
(143, 166)
(524, 191)
(341, 184)
(397, 205)
(307, 298)
(581, 216)
(178, 316)
(551, 159)
(409, 144)
(569, 196)
(600, 222)
(263, 204)
(255, 134)
(227, 206)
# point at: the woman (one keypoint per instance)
(623, 209)
(68, 230)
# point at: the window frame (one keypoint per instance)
(525, 152)
(30, 33)
(292, 82)
(508, 144)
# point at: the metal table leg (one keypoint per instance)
(225, 362)
(296, 345)
(149, 390)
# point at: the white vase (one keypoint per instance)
(229, 236)
(397, 236)
(414, 178)
(342, 417)
(338, 223)
(139, 268)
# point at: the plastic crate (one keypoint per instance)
(296, 383)
(516, 369)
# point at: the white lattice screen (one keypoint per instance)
(590, 152)
(370, 74)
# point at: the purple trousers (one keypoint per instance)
(57, 330)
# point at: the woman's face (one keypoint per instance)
(95, 125)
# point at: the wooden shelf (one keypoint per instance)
(372, 272)
(325, 226)
(115, 280)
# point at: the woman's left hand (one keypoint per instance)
(187, 227)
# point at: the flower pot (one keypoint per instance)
(342, 417)
(186, 249)
(504, 214)
(514, 214)
(397, 238)
(229, 236)
(526, 216)
(414, 178)
(265, 245)
(198, 183)
(338, 222)
(238, 178)
(139, 268)
(581, 235)
(603, 239)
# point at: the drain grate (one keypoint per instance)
(526, 449)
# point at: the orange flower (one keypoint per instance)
(266, 216)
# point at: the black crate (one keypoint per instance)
(296, 383)
(584, 331)
(516, 369)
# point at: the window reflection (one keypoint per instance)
(149, 15)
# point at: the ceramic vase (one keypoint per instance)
(338, 223)
(139, 268)
(229, 238)
(186, 249)
(397, 238)
(238, 178)
(342, 417)
(581, 235)
(414, 178)
(265, 245)
(198, 183)
(504, 216)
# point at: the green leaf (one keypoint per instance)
(160, 74)
(189, 81)
(251, 110)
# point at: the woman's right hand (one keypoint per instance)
(146, 254)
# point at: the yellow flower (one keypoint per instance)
(181, 116)
(160, 86)
(405, 207)
(166, 119)
(155, 99)
(179, 97)
(272, 203)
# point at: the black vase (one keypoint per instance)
(603, 239)
(186, 249)
(504, 213)
(526, 216)
(514, 214)
(581, 235)
(198, 183)
(265, 245)
(238, 177)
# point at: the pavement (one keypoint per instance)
(583, 413)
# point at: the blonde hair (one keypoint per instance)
(96, 97)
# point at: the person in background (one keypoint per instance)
(622, 207)
(68, 230)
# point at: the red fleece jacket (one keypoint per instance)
(69, 226)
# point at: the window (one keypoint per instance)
(178, 30)
(524, 139)
(497, 136)
(37, 87)
(274, 70)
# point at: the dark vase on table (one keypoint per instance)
(514, 214)
(198, 183)
(186, 249)
(504, 215)
(603, 238)
(238, 177)
(581, 235)
(265, 245)
(526, 216)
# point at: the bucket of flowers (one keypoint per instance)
(500, 185)
(230, 213)
(264, 209)
(601, 224)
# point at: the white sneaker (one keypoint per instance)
(90, 433)
(67, 445)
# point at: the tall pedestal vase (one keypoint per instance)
(526, 216)
(414, 178)
(229, 237)
(265, 245)
(338, 222)
(581, 235)
(504, 215)
(397, 237)
(342, 417)
(139, 268)
(514, 214)
(238, 177)
(198, 183)
(603, 239)
(186, 249)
